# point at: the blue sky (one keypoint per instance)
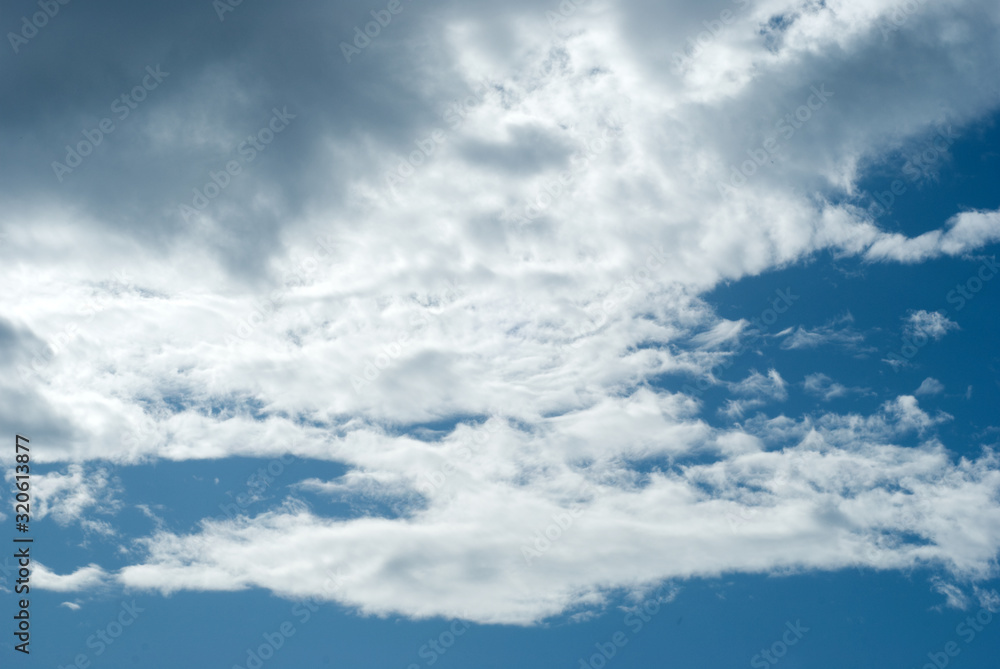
(503, 335)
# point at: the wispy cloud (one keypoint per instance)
(838, 332)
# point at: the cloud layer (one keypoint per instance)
(486, 212)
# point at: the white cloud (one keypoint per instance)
(988, 599)
(930, 386)
(822, 385)
(84, 578)
(565, 324)
(737, 408)
(724, 331)
(966, 231)
(834, 332)
(933, 324)
(75, 495)
(825, 500)
(771, 386)
(826, 388)
(756, 391)
(954, 597)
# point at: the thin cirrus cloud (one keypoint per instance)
(838, 331)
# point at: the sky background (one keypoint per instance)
(504, 335)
